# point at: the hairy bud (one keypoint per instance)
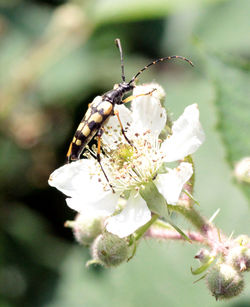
(86, 228)
(110, 250)
(239, 256)
(224, 281)
(203, 255)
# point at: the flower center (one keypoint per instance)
(130, 167)
(124, 153)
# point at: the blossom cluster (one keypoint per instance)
(148, 172)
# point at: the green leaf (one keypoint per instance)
(105, 11)
(232, 91)
(215, 24)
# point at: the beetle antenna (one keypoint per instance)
(160, 60)
(119, 46)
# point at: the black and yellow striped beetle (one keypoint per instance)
(102, 107)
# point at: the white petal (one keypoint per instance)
(134, 215)
(82, 178)
(170, 184)
(187, 135)
(112, 130)
(103, 205)
(147, 112)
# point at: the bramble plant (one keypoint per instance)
(150, 179)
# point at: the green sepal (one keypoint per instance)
(158, 205)
(203, 267)
(126, 194)
(191, 197)
(202, 277)
(155, 201)
(134, 246)
(162, 169)
(141, 231)
(94, 262)
(168, 220)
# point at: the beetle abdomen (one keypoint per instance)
(98, 111)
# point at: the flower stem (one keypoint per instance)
(193, 216)
(212, 236)
(166, 234)
(140, 232)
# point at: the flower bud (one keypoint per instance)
(239, 255)
(203, 256)
(242, 170)
(110, 250)
(242, 240)
(86, 228)
(224, 281)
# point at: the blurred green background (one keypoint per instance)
(55, 56)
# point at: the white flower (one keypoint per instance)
(130, 168)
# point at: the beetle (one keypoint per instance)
(102, 107)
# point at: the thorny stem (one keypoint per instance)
(155, 232)
(207, 233)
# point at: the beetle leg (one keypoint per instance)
(133, 97)
(69, 153)
(98, 157)
(123, 132)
